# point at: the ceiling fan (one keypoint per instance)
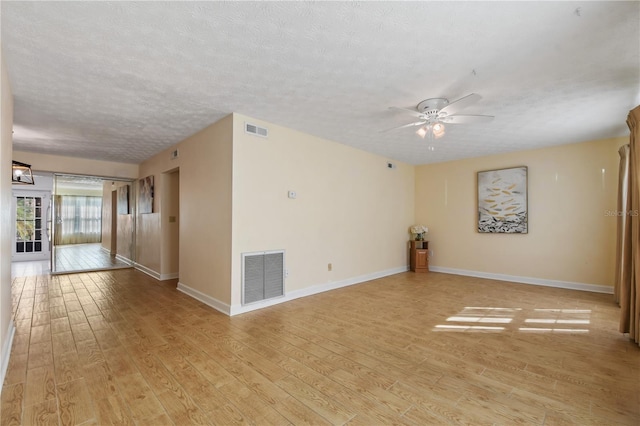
(434, 113)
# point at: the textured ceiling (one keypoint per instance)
(122, 81)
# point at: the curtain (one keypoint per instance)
(623, 248)
(628, 253)
(78, 219)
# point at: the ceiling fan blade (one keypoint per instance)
(461, 103)
(410, 111)
(417, 123)
(467, 119)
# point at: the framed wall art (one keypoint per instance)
(145, 199)
(123, 199)
(502, 201)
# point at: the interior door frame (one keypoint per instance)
(110, 193)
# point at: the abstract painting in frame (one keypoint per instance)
(145, 200)
(502, 201)
(123, 199)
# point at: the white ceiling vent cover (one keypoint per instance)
(256, 130)
(262, 276)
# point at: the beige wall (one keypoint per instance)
(6, 227)
(351, 210)
(106, 216)
(570, 237)
(80, 166)
(204, 220)
(171, 230)
(125, 223)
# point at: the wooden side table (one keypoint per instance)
(419, 256)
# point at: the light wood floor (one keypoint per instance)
(84, 257)
(118, 347)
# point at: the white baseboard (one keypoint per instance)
(147, 271)
(171, 276)
(124, 259)
(204, 298)
(525, 280)
(6, 350)
(315, 289)
(295, 294)
(158, 276)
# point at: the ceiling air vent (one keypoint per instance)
(256, 130)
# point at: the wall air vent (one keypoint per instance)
(262, 276)
(174, 154)
(256, 130)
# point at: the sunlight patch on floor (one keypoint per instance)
(539, 320)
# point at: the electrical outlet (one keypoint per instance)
(329, 267)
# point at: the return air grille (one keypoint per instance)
(262, 276)
(256, 130)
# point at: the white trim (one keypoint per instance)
(147, 271)
(6, 351)
(171, 276)
(206, 299)
(295, 294)
(158, 276)
(525, 280)
(125, 259)
(315, 289)
(104, 249)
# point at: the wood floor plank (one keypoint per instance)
(182, 410)
(119, 363)
(67, 367)
(203, 392)
(142, 402)
(60, 324)
(63, 343)
(74, 403)
(44, 413)
(40, 385)
(17, 369)
(372, 390)
(100, 380)
(112, 411)
(89, 352)
(324, 405)
(254, 409)
(12, 400)
(40, 354)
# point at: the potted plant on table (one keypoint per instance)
(419, 231)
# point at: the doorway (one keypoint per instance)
(31, 218)
(81, 217)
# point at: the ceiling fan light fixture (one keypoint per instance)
(438, 130)
(422, 132)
